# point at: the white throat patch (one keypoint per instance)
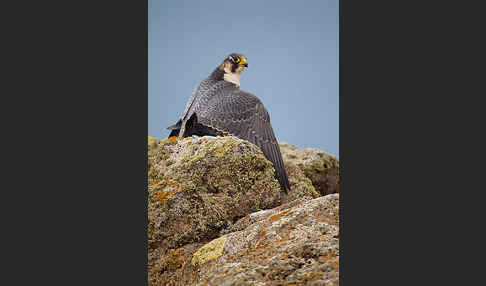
(233, 77)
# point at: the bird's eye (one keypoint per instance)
(237, 60)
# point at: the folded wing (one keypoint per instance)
(243, 115)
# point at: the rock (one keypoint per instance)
(300, 185)
(197, 187)
(297, 244)
(202, 191)
(172, 267)
(320, 167)
(152, 142)
(210, 251)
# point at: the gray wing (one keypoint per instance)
(190, 102)
(189, 108)
(243, 115)
(199, 93)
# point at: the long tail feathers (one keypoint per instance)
(175, 128)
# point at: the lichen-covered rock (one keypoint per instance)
(197, 187)
(300, 185)
(294, 244)
(200, 187)
(201, 184)
(320, 167)
(210, 251)
(152, 142)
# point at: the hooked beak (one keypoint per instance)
(243, 62)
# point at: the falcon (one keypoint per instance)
(218, 107)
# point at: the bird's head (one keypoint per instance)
(233, 65)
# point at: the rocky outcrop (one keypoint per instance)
(202, 191)
(200, 185)
(296, 244)
(320, 167)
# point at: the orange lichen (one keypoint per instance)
(175, 259)
(173, 138)
(329, 255)
(262, 234)
(314, 275)
(277, 216)
(189, 143)
(326, 220)
(262, 245)
(155, 182)
(245, 218)
(164, 196)
(178, 251)
(160, 196)
(287, 237)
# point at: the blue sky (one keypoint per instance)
(292, 50)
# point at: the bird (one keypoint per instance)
(218, 107)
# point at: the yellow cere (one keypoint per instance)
(243, 60)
